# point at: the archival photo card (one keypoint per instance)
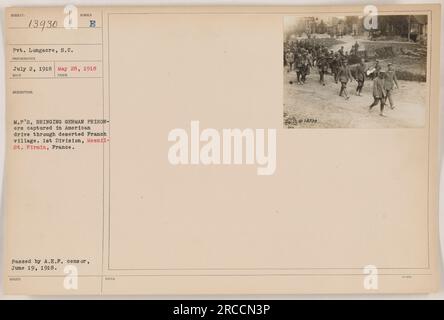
(156, 150)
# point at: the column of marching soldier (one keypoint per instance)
(301, 55)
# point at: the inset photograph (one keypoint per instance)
(339, 74)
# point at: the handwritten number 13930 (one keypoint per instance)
(42, 24)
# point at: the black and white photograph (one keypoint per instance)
(340, 74)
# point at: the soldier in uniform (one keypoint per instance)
(322, 67)
(310, 61)
(390, 81)
(341, 51)
(377, 68)
(379, 93)
(356, 48)
(344, 77)
(336, 63)
(329, 58)
(360, 76)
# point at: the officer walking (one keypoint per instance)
(289, 58)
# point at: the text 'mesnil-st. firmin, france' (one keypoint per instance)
(222, 150)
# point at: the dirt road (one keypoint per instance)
(314, 105)
(349, 41)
